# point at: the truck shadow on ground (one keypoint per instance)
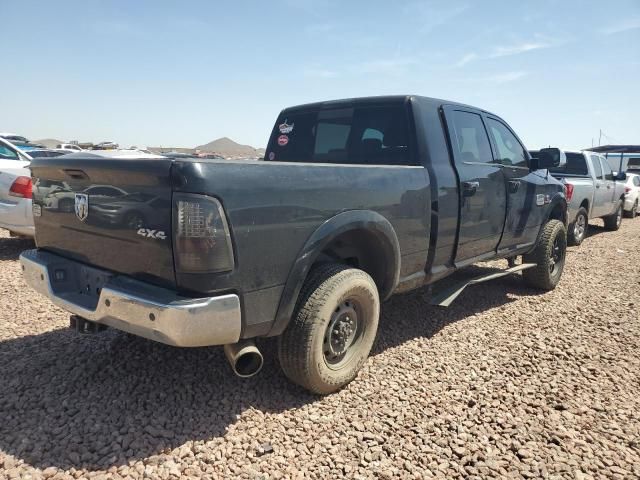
(94, 402)
(11, 248)
(594, 230)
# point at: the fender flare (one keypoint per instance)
(557, 199)
(335, 226)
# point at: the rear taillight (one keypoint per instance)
(627, 189)
(202, 242)
(21, 187)
(568, 191)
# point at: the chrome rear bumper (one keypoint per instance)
(132, 306)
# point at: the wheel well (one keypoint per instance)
(559, 212)
(585, 205)
(362, 249)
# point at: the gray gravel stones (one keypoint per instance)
(507, 382)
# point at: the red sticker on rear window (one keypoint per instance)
(283, 140)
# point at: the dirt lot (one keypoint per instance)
(507, 382)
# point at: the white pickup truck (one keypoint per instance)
(593, 190)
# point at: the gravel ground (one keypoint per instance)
(507, 382)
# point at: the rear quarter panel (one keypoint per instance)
(273, 208)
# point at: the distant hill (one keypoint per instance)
(228, 148)
(49, 142)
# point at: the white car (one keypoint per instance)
(15, 190)
(70, 146)
(632, 195)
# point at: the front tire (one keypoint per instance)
(333, 329)
(549, 256)
(577, 231)
(613, 222)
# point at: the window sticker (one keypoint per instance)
(285, 128)
(283, 140)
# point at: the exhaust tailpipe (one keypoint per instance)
(244, 357)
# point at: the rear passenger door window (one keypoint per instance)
(606, 169)
(510, 151)
(469, 139)
(597, 169)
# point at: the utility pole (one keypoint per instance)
(600, 138)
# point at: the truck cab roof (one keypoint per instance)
(379, 100)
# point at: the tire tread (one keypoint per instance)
(295, 345)
(539, 276)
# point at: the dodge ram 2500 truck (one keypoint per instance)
(355, 200)
(592, 189)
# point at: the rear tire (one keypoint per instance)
(577, 231)
(332, 331)
(549, 256)
(634, 211)
(613, 222)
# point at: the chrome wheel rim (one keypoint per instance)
(555, 257)
(580, 227)
(343, 331)
(619, 216)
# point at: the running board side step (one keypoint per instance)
(448, 295)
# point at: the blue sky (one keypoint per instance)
(184, 73)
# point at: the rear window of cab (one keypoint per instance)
(373, 135)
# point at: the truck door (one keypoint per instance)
(524, 213)
(600, 202)
(611, 202)
(481, 185)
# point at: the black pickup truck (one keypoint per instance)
(355, 200)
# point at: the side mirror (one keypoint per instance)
(547, 158)
(619, 176)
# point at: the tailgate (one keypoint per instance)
(108, 212)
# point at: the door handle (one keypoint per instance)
(514, 185)
(469, 189)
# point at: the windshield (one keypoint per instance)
(377, 135)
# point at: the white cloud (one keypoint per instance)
(506, 50)
(622, 26)
(469, 57)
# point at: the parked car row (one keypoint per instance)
(593, 190)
